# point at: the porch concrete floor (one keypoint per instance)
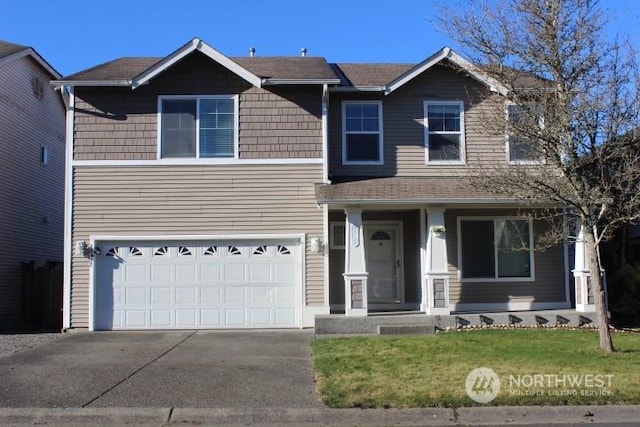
(339, 324)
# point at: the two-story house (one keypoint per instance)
(31, 172)
(213, 192)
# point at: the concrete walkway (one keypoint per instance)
(215, 378)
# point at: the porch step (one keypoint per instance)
(406, 329)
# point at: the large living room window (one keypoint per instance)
(496, 249)
(362, 132)
(444, 123)
(198, 127)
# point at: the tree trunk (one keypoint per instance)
(599, 294)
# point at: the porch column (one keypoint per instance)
(435, 285)
(582, 275)
(355, 267)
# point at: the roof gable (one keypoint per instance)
(454, 58)
(195, 45)
(10, 52)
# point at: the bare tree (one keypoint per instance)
(572, 114)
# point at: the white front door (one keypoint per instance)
(383, 263)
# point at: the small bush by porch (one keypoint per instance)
(535, 367)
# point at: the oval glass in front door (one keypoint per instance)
(382, 264)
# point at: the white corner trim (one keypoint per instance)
(309, 314)
(198, 162)
(325, 134)
(191, 46)
(68, 213)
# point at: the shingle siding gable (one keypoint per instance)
(120, 124)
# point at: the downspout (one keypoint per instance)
(68, 210)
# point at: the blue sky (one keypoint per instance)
(77, 34)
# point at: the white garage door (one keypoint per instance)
(184, 285)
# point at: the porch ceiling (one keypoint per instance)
(405, 190)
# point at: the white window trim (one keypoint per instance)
(463, 144)
(332, 240)
(507, 144)
(236, 124)
(380, 133)
(532, 276)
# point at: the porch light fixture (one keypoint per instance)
(438, 229)
(315, 245)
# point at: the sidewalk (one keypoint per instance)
(522, 415)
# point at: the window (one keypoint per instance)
(496, 249)
(362, 133)
(44, 155)
(444, 122)
(521, 148)
(203, 127)
(337, 235)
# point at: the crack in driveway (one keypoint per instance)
(155, 359)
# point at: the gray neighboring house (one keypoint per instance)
(206, 191)
(32, 162)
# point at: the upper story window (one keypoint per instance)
(522, 149)
(444, 123)
(198, 127)
(362, 132)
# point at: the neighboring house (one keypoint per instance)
(216, 192)
(32, 125)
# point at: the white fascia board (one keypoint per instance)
(360, 202)
(446, 53)
(71, 83)
(301, 82)
(36, 57)
(201, 46)
(357, 89)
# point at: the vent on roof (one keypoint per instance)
(252, 52)
(303, 52)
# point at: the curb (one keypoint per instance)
(503, 415)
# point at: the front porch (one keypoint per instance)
(442, 257)
(340, 324)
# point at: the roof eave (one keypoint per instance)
(466, 201)
(58, 83)
(272, 82)
(29, 51)
(195, 45)
(358, 89)
(446, 53)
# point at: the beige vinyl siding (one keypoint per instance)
(31, 194)
(549, 283)
(122, 124)
(404, 132)
(194, 200)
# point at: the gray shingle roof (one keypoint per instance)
(369, 75)
(7, 48)
(418, 189)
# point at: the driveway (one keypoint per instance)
(214, 369)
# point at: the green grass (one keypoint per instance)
(430, 371)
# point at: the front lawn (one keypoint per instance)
(535, 367)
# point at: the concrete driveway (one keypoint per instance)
(214, 369)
